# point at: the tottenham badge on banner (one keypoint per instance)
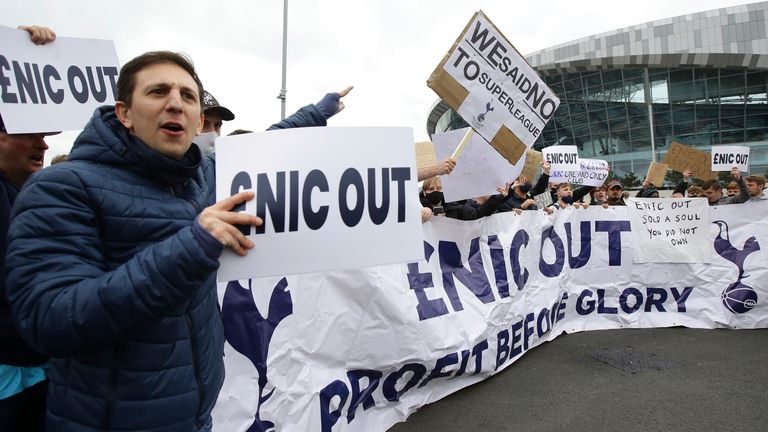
(493, 88)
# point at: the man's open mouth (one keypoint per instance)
(173, 127)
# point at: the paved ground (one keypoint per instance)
(672, 379)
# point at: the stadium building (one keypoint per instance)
(699, 79)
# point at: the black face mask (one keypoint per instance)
(567, 199)
(434, 198)
(525, 188)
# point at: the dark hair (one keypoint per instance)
(713, 184)
(239, 132)
(756, 178)
(126, 82)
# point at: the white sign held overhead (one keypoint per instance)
(494, 89)
(56, 86)
(480, 170)
(670, 230)
(724, 158)
(563, 159)
(311, 200)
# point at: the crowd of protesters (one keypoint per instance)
(109, 318)
(520, 195)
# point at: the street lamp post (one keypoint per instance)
(282, 95)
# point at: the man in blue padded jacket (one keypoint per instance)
(112, 259)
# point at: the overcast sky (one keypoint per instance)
(386, 49)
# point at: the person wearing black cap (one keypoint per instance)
(23, 383)
(215, 114)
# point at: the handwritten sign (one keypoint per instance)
(681, 157)
(56, 86)
(532, 165)
(481, 170)
(311, 200)
(656, 173)
(562, 159)
(543, 200)
(491, 86)
(724, 158)
(425, 154)
(591, 172)
(668, 230)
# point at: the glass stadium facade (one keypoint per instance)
(698, 79)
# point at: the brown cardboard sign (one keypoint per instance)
(490, 85)
(656, 173)
(681, 157)
(425, 155)
(533, 160)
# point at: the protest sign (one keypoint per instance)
(657, 172)
(680, 157)
(56, 86)
(532, 165)
(724, 158)
(543, 200)
(591, 172)
(491, 86)
(670, 230)
(425, 154)
(361, 350)
(480, 171)
(562, 160)
(310, 199)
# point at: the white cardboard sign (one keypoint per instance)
(321, 211)
(592, 172)
(670, 230)
(563, 159)
(56, 86)
(480, 170)
(724, 158)
(503, 88)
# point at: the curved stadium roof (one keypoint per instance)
(733, 37)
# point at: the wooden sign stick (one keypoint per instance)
(463, 142)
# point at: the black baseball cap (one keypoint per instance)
(210, 104)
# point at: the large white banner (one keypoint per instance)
(56, 86)
(320, 211)
(360, 350)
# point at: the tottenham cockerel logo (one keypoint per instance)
(737, 297)
(481, 117)
(249, 332)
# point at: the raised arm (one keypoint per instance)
(316, 114)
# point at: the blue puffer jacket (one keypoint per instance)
(108, 277)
